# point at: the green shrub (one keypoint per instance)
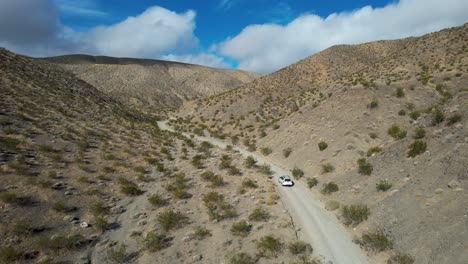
(287, 152)
(322, 145)
(215, 180)
(201, 233)
(9, 254)
(399, 92)
(330, 188)
(225, 162)
(259, 214)
(375, 242)
(170, 219)
(9, 197)
(373, 150)
(373, 104)
(59, 207)
(383, 186)
(269, 246)
(415, 115)
(400, 259)
(396, 132)
(416, 148)
(355, 214)
(297, 173)
(365, 168)
(454, 119)
(233, 170)
(157, 200)
(218, 209)
(98, 208)
(155, 242)
(241, 228)
(250, 162)
(312, 182)
(300, 248)
(437, 117)
(240, 258)
(102, 224)
(266, 169)
(249, 183)
(373, 135)
(419, 133)
(402, 112)
(266, 151)
(197, 161)
(327, 168)
(131, 189)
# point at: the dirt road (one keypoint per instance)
(317, 226)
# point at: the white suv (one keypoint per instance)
(285, 181)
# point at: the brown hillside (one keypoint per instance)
(349, 97)
(152, 84)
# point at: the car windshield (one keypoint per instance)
(287, 179)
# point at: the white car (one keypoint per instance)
(285, 181)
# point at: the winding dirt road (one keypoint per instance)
(317, 226)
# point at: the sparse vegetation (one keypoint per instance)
(399, 92)
(155, 242)
(383, 186)
(396, 132)
(201, 233)
(240, 258)
(373, 104)
(241, 228)
(365, 168)
(297, 173)
(300, 248)
(327, 168)
(269, 246)
(250, 162)
(118, 254)
(266, 151)
(354, 214)
(249, 183)
(266, 169)
(375, 242)
(454, 119)
(437, 117)
(217, 208)
(400, 259)
(157, 200)
(171, 219)
(329, 188)
(259, 214)
(322, 145)
(373, 150)
(287, 152)
(419, 133)
(416, 148)
(312, 182)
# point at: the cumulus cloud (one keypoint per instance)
(268, 47)
(151, 34)
(206, 59)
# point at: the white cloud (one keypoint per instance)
(152, 33)
(269, 47)
(80, 8)
(206, 59)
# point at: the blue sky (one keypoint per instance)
(255, 35)
(216, 19)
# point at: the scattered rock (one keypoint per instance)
(439, 191)
(453, 184)
(197, 258)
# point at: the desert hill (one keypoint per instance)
(87, 179)
(384, 121)
(151, 84)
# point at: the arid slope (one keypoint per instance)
(400, 105)
(152, 84)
